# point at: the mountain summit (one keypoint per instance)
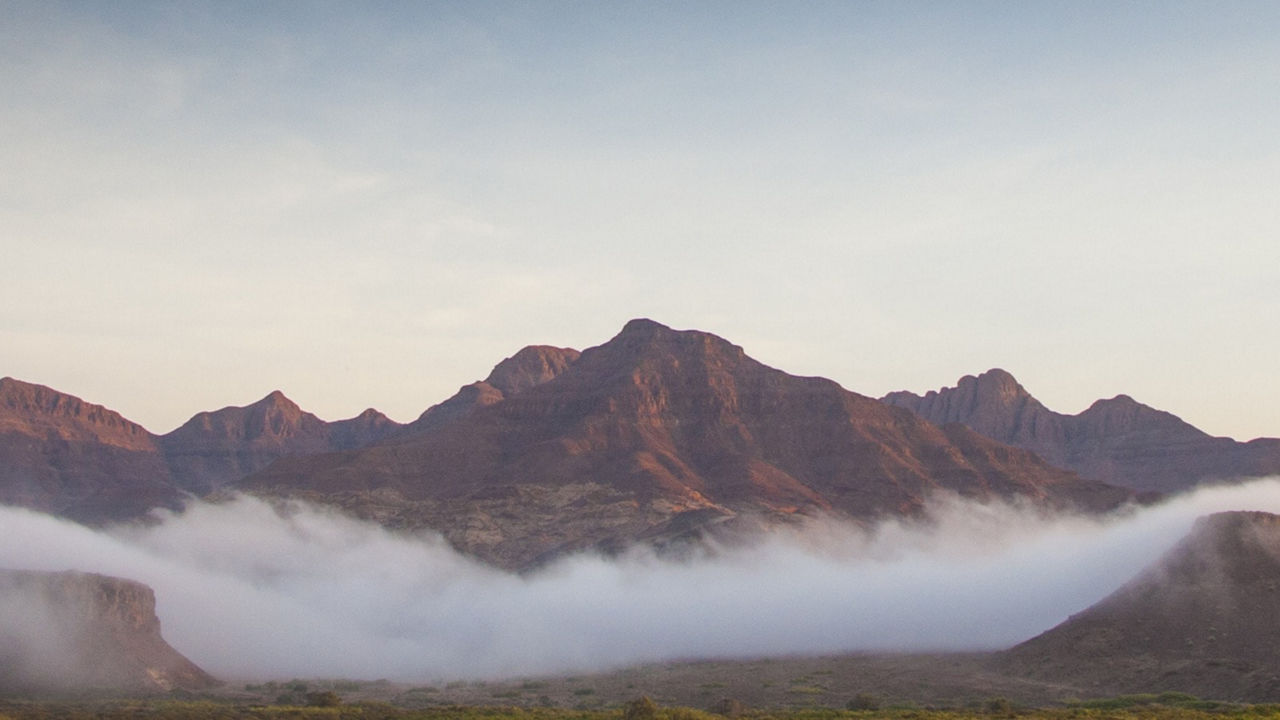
(659, 433)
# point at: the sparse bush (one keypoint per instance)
(346, 685)
(642, 708)
(998, 706)
(863, 701)
(328, 698)
(729, 708)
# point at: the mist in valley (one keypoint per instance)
(250, 593)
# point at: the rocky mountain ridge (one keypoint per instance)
(61, 455)
(1117, 441)
(68, 457)
(658, 435)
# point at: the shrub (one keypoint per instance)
(642, 708)
(729, 708)
(998, 706)
(863, 701)
(327, 698)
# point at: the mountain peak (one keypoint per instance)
(531, 366)
(275, 398)
(642, 326)
(1002, 379)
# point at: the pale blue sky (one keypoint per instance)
(370, 206)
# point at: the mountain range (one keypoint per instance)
(657, 436)
(1117, 441)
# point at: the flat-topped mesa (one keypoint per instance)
(76, 631)
(1118, 441)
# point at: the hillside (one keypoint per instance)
(1201, 620)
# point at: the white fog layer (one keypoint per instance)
(246, 593)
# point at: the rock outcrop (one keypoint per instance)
(1201, 620)
(74, 631)
(655, 435)
(1117, 441)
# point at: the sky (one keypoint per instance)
(372, 204)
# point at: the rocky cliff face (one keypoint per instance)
(62, 455)
(1118, 441)
(72, 631)
(1202, 620)
(657, 434)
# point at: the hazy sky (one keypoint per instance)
(371, 206)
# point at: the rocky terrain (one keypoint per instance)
(659, 435)
(1201, 620)
(1117, 441)
(71, 630)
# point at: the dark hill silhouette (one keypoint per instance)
(656, 434)
(1201, 620)
(1117, 441)
(76, 631)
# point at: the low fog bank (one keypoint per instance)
(246, 593)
